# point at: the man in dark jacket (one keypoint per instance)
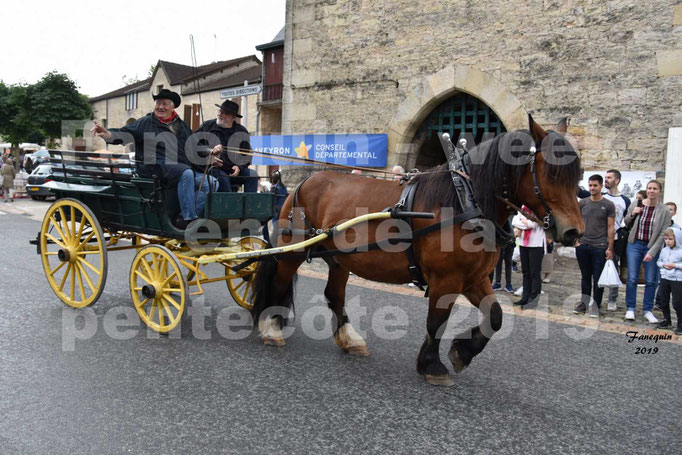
(232, 135)
(160, 138)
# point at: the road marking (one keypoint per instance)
(610, 327)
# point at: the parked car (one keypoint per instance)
(43, 174)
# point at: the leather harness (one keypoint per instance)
(469, 211)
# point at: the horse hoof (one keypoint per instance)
(361, 351)
(457, 363)
(443, 380)
(274, 341)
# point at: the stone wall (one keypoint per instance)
(382, 66)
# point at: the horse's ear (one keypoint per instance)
(562, 126)
(536, 131)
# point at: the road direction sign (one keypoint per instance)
(241, 91)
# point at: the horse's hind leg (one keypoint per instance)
(345, 335)
(470, 343)
(273, 298)
(428, 361)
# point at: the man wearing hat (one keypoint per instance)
(159, 139)
(233, 137)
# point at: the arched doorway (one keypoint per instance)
(461, 115)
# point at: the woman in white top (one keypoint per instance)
(532, 246)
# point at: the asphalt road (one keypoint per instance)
(149, 394)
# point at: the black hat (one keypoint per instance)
(230, 107)
(166, 94)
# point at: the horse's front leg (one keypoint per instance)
(428, 361)
(471, 342)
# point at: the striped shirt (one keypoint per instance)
(645, 223)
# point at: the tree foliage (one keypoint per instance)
(55, 98)
(15, 113)
(30, 112)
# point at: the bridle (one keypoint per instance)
(547, 220)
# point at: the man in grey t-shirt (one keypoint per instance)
(620, 241)
(595, 246)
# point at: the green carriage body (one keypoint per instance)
(122, 202)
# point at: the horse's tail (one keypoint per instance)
(266, 295)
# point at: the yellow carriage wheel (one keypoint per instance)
(73, 253)
(240, 284)
(158, 288)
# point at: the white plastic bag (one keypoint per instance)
(609, 276)
(516, 255)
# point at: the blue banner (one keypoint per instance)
(362, 150)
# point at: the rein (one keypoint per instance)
(546, 222)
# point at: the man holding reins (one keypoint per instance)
(233, 168)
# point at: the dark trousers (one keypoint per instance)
(666, 287)
(249, 179)
(531, 265)
(591, 261)
(506, 256)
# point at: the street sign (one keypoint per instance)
(241, 91)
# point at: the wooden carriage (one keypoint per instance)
(100, 203)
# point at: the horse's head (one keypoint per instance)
(556, 173)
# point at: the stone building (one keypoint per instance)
(124, 105)
(411, 69)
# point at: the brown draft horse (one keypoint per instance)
(329, 198)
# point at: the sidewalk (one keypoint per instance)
(35, 210)
(561, 295)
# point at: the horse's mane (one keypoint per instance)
(437, 190)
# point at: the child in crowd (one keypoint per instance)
(670, 264)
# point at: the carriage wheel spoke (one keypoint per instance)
(66, 274)
(57, 242)
(87, 278)
(155, 262)
(87, 239)
(162, 311)
(61, 264)
(73, 283)
(148, 269)
(166, 310)
(83, 222)
(59, 231)
(80, 282)
(83, 253)
(73, 223)
(144, 277)
(168, 278)
(66, 224)
(246, 292)
(236, 288)
(152, 310)
(172, 290)
(90, 266)
(143, 303)
(172, 302)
